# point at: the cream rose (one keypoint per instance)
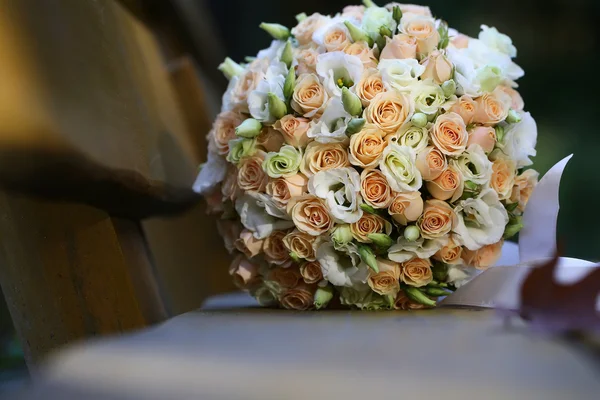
(244, 272)
(307, 60)
(323, 156)
(251, 176)
(406, 207)
(224, 130)
(309, 97)
(424, 30)
(303, 32)
(269, 139)
(398, 166)
(311, 272)
(366, 147)
(299, 298)
(293, 130)
(286, 278)
(485, 257)
(310, 215)
(369, 86)
(389, 111)
(369, 223)
(336, 37)
(523, 188)
(437, 67)
(431, 162)
(416, 272)
(283, 189)
(449, 185)
(354, 12)
(301, 244)
(248, 244)
(437, 219)
(492, 108)
(412, 9)
(465, 107)
(517, 103)
(504, 172)
(274, 249)
(399, 47)
(460, 41)
(374, 189)
(236, 96)
(412, 136)
(386, 281)
(485, 136)
(449, 254)
(364, 52)
(449, 134)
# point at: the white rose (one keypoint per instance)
(429, 97)
(400, 74)
(336, 67)
(481, 220)
(341, 269)
(212, 173)
(405, 250)
(340, 188)
(374, 18)
(520, 140)
(272, 83)
(331, 127)
(398, 164)
(474, 165)
(415, 137)
(255, 219)
(497, 41)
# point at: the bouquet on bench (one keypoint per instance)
(374, 159)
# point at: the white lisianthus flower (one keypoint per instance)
(256, 220)
(415, 137)
(400, 74)
(398, 164)
(474, 165)
(331, 127)
(459, 275)
(376, 17)
(338, 69)
(272, 83)
(340, 188)
(497, 41)
(271, 206)
(480, 221)
(363, 298)
(520, 140)
(341, 269)
(273, 52)
(429, 97)
(405, 250)
(212, 173)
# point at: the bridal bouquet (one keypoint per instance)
(373, 159)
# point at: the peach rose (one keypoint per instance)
(403, 302)
(375, 189)
(411, 9)
(214, 202)
(437, 67)
(311, 272)
(309, 97)
(298, 298)
(364, 52)
(224, 130)
(300, 243)
(523, 188)
(449, 185)
(269, 139)
(307, 60)
(517, 102)
(485, 257)
(287, 278)
(283, 189)
(323, 156)
(424, 30)
(336, 38)
(431, 162)
(369, 86)
(436, 220)
(460, 41)
(416, 272)
(389, 111)
(366, 147)
(310, 215)
(356, 12)
(504, 173)
(406, 207)
(492, 108)
(248, 244)
(246, 83)
(450, 253)
(449, 134)
(369, 223)
(275, 250)
(465, 107)
(293, 130)
(485, 136)
(386, 281)
(229, 187)
(244, 272)
(303, 32)
(251, 176)
(400, 46)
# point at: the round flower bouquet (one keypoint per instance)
(372, 159)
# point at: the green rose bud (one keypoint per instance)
(439, 271)
(435, 292)
(449, 87)
(294, 257)
(287, 55)
(289, 84)
(323, 296)
(357, 34)
(240, 148)
(511, 207)
(499, 133)
(249, 128)
(419, 120)
(369, 3)
(444, 38)
(513, 117)
(249, 59)
(397, 14)
(279, 32)
(282, 164)
(230, 68)
(355, 125)
(341, 235)
(352, 103)
(417, 296)
(412, 233)
(515, 224)
(381, 240)
(471, 186)
(277, 107)
(368, 257)
(385, 31)
(369, 209)
(301, 17)
(489, 77)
